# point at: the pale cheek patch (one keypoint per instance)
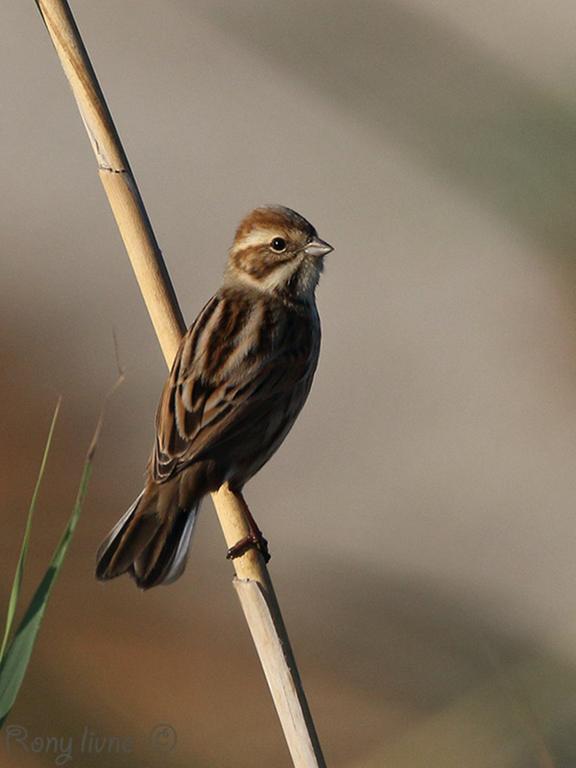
(279, 276)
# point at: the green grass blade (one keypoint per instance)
(15, 662)
(19, 573)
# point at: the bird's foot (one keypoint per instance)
(253, 541)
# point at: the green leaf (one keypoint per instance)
(15, 662)
(18, 575)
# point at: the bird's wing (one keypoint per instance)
(224, 381)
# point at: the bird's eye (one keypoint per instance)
(278, 244)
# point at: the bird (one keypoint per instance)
(240, 377)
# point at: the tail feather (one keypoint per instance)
(150, 542)
(163, 560)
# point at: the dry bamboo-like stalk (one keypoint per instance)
(252, 581)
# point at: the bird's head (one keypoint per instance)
(277, 251)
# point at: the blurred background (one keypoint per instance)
(421, 513)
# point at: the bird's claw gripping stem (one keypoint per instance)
(256, 541)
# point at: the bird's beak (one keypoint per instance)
(318, 247)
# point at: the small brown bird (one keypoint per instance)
(239, 380)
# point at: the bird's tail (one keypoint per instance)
(150, 541)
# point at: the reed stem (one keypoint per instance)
(252, 581)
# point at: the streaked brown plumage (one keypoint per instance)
(239, 380)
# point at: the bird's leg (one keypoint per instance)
(254, 539)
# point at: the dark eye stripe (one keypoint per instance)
(258, 262)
